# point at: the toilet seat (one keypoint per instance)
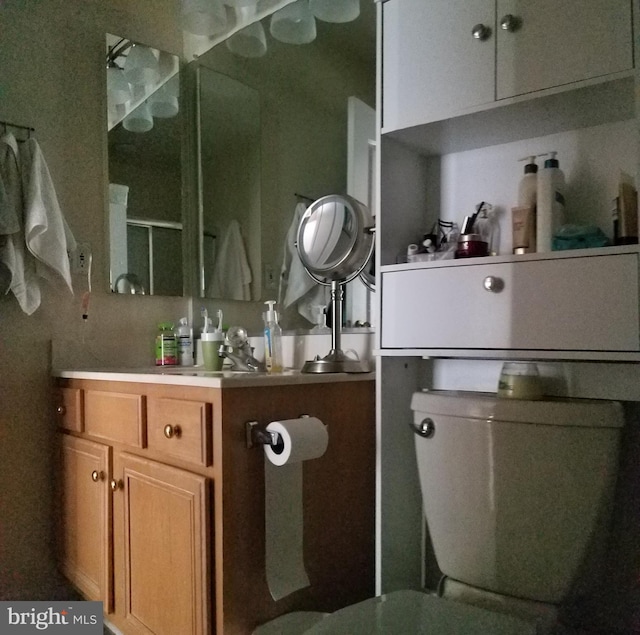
(403, 613)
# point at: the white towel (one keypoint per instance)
(16, 259)
(47, 234)
(231, 278)
(296, 285)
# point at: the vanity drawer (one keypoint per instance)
(575, 303)
(69, 409)
(115, 416)
(180, 428)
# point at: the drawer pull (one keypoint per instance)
(510, 23)
(481, 32)
(116, 485)
(172, 431)
(61, 410)
(97, 476)
(493, 284)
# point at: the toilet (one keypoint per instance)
(517, 496)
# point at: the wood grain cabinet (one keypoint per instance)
(163, 504)
(444, 57)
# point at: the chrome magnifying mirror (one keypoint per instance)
(335, 242)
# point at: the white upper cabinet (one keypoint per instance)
(432, 63)
(443, 58)
(545, 43)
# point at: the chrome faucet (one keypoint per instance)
(237, 350)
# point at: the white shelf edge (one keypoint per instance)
(615, 250)
(554, 355)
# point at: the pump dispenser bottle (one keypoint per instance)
(272, 340)
(550, 203)
(528, 186)
(184, 339)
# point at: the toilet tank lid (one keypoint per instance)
(488, 407)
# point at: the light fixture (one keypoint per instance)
(203, 17)
(141, 66)
(249, 42)
(140, 120)
(240, 3)
(335, 10)
(117, 86)
(164, 102)
(294, 24)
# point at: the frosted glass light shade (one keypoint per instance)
(141, 66)
(164, 102)
(203, 17)
(335, 10)
(241, 3)
(249, 42)
(294, 24)
(118, 90)
(140, 120)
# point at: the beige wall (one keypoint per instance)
(52, 53)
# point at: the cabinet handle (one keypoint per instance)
(97, 476)
(493, 284)
(481, 32)
(510, 23)
(61, 410)
(117, 484)
(172, 431)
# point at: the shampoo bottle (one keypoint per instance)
(185, 343)
(528, 186)
(272, 340)
(550, 203)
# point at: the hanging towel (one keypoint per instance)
(14, 256)
(231, 278)
(296, 285)
(47, 234)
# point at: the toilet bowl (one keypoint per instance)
(516, 496)
(401, 613)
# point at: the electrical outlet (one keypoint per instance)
(80, 258)
(270, 278)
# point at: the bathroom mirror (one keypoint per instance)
(335, 243)
(274, 136)
(145, 133)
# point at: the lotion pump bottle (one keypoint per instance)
(272, 340)
(550, 203)
(528, 186)
(184, 338)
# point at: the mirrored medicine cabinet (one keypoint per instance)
(267, 133)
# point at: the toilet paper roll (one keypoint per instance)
(301, 440)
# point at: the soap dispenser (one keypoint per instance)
(272, 339)
(550, 202)
(184, 337)
(528, 186)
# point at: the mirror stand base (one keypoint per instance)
(336, 362)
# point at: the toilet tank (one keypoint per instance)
(516, 493)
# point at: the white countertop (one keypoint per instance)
(199, 377)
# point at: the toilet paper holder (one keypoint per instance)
(258, 435)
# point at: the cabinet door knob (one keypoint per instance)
(61, 410)
(172, 431)
(116, 485)
(493, 284)
(510, 23)
(481, 32)
(97, 476)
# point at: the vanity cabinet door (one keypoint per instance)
(161, 547)
(84, 517)
(574, 304)
(545, 43)
(432, 63)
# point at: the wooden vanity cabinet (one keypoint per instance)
(163, 502)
